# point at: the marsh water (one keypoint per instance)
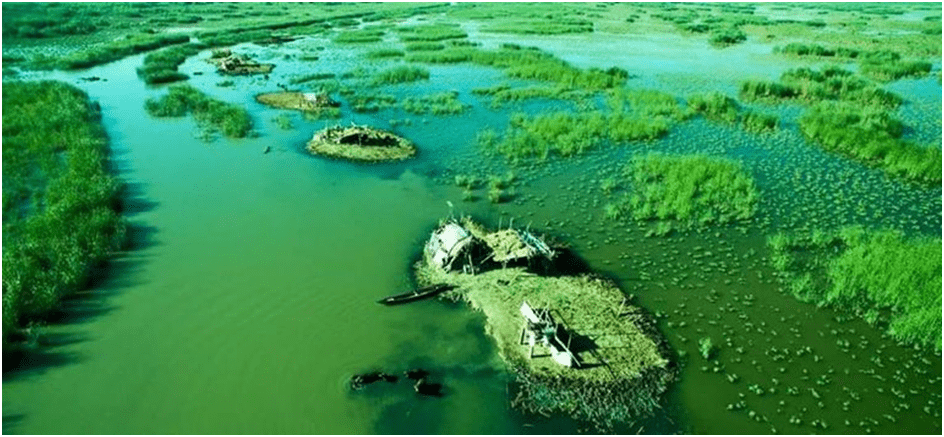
(248, 298)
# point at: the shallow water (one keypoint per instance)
(249, 299)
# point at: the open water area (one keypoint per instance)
(248, 299)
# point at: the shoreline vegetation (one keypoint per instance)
(61, 205)
(619, 376)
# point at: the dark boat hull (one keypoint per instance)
(415, 295)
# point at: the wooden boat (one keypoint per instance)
(420, 293)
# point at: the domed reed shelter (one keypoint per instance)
(575, 343)
(361, 143)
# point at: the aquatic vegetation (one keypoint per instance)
(370, 101)
(359, 36)
(877, 275)
(811, 86)
(384, 54)
(310, 78)
(727, 37)
(445, 103)
(753, 121)
(527, 63)
(113, 51)
(283, 121)
(872, 136)
(690, 189)
(424, 46)
(801, 49)
(888, 66)
(706, 348)
(232, 120)
(401, 74)
(161, 66)
(429, 32)
(550, 26)
(715, 106)
(60, 204)
(503, 93)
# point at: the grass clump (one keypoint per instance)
(401, 74)
(504, 93)
(232, 120)
(811, 86)
(758, 122)
(872, 136)
(715, 106)
(690, 189)
(425, 46)
(445, 103)
(888, 66)
(60, 204)
(310, 78)
(161, 66)
(370, 102)
(727, 37)
(881, 276)
(384, 54)
(359, 36)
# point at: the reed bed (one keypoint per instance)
(445, 103)
(214, 115)
(60, 204)
(880, 276)
(161, 66)
(401, 74)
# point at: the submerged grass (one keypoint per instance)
(232, 120)
(880, 276)
(60, 204)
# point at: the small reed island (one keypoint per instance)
(237, 65)
(360, 143)
(574, 342)
(305, 102)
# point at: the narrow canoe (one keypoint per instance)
(420, 293)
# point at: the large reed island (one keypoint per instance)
(60, 204)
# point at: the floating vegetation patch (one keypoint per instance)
(360, 143)
(384, 54)
(690, 190)
(811, 86)
(878, 275)
(634, 115)
(425, 46)
(60, 204)
(504, 93)
(727, 37)
(311, 78)
(161, 66)
(369, 101)
(715, 106)
(872, 136)
(445, 103)
(401, 74)
(215, 115)
(360, 36)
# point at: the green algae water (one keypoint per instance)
(248, 298)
